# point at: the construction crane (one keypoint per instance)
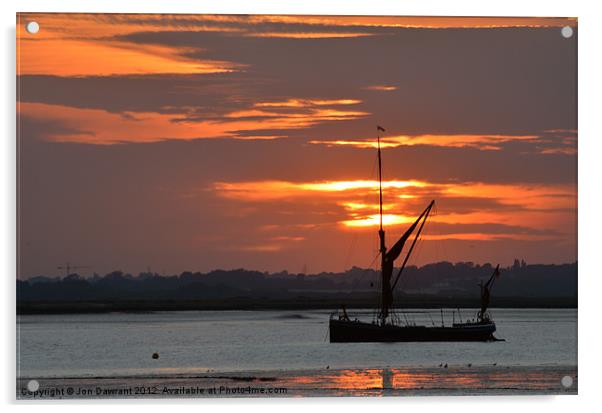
(68, 267)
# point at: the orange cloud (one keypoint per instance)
(82, 45)
(478, 236)
(260, 248)
(534, 197)
(100, 127)
(431, 22)
(381, 88)
(301, 103)
(485, 142)
(95, 126)
(109, 24)
(103, 58)
(308, 35)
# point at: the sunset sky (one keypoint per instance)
(198, 142)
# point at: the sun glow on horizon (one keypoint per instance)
(374, 220)
(362, 184)
(513, 208)
(270, 190)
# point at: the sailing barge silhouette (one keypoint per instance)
(385, 328)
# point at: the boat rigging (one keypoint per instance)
(342, 329)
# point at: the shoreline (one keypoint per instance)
(390, 381)
(142, 306)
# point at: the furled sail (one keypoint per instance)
(389, 259)
(486, 292)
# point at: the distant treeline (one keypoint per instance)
(442, 283)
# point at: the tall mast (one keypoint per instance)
(380, 181)
(385, 286)
(381, 233)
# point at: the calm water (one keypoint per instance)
(119, 344)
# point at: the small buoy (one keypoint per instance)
(155, 355)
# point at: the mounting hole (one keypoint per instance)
(567, 381)
(32, 27)
(567, 32)
(33, 385)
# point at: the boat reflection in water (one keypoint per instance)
(452, 380)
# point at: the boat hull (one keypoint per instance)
(343, 331)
